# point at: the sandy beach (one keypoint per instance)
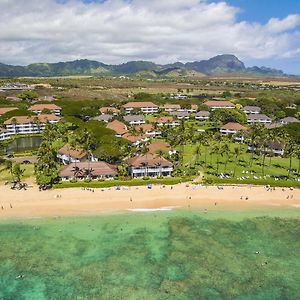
(77, 201)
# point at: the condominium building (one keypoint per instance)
(29, 124)
(39, 108)
(144, 107)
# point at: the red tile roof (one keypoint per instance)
(44, 106)
(234, 126)
(117, 126)
(4, 110)
(139, 104)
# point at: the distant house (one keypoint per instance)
(13, 98)
(232, 128)
(29, 124)
(180, 115)
(167, 121)
(149, 166)
(67, 155)
(258, 119)
(144, 107)
(289, 120)
(4, 134)
(202, 115)
(135, 139)
(109, 110)
(160, 146)
(219, 104)
(147, 129)
(134, 119)
(192, 109)
(103, 118)
(4, 110)
(46, 98)
(38, 108)
(251, 110)
(93, 170)
(171, 107)
(275, 148)
(118, 127)
(274, 125)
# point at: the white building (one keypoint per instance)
(144, 107)
(251, 110)
(258, 119)
(4, 134)
(134, 119)
(149, 166)
(29, 124)
(38, 108)
(202, 115)
(219, 104)
(232, 128)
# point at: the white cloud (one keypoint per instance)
(118, 30)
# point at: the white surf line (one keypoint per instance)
(166, 208)
(295, 205)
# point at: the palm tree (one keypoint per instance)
(88, 172)
(8, 166)
(290, 151)
(237, 153)
(225, 150)
(77, 172)
(160, 155)
(197, 153)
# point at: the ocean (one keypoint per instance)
(176, 254)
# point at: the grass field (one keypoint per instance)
(274, 167)
(5, 174)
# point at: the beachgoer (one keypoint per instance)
(10, 205)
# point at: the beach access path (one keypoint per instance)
(33, 203)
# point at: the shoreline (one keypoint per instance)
(33, 203)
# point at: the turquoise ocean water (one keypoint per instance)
(159, 255)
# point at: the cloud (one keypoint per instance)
(115, 31)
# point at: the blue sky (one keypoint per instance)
(263, 10)
(259, 32)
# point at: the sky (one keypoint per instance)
(259, 32)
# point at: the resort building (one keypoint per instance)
(93, 170)
(276, 148)
(219, 104)
(134, 119)
(4, 110)
(118, 127)
(232, 128)
(103, 118)
(180, 115)
(167, 121)
(29, 124)
(67, 155)
(144, 107)
(39, 108)
(202, 115)
(289, 120)
(135, 139)
(46, 98)
(192, 109)
(149, 166)
(155, 147)
(258, 119)
(251, 110)
(4, 134)
(147, 129)
(109, 110)
(171, 107)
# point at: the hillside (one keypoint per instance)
(218, 65)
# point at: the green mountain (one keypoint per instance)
(218, 65)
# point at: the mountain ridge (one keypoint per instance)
(225, 64)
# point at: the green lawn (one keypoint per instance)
(246, 171)
(130, 182)
(205, 125)
(5, 175)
